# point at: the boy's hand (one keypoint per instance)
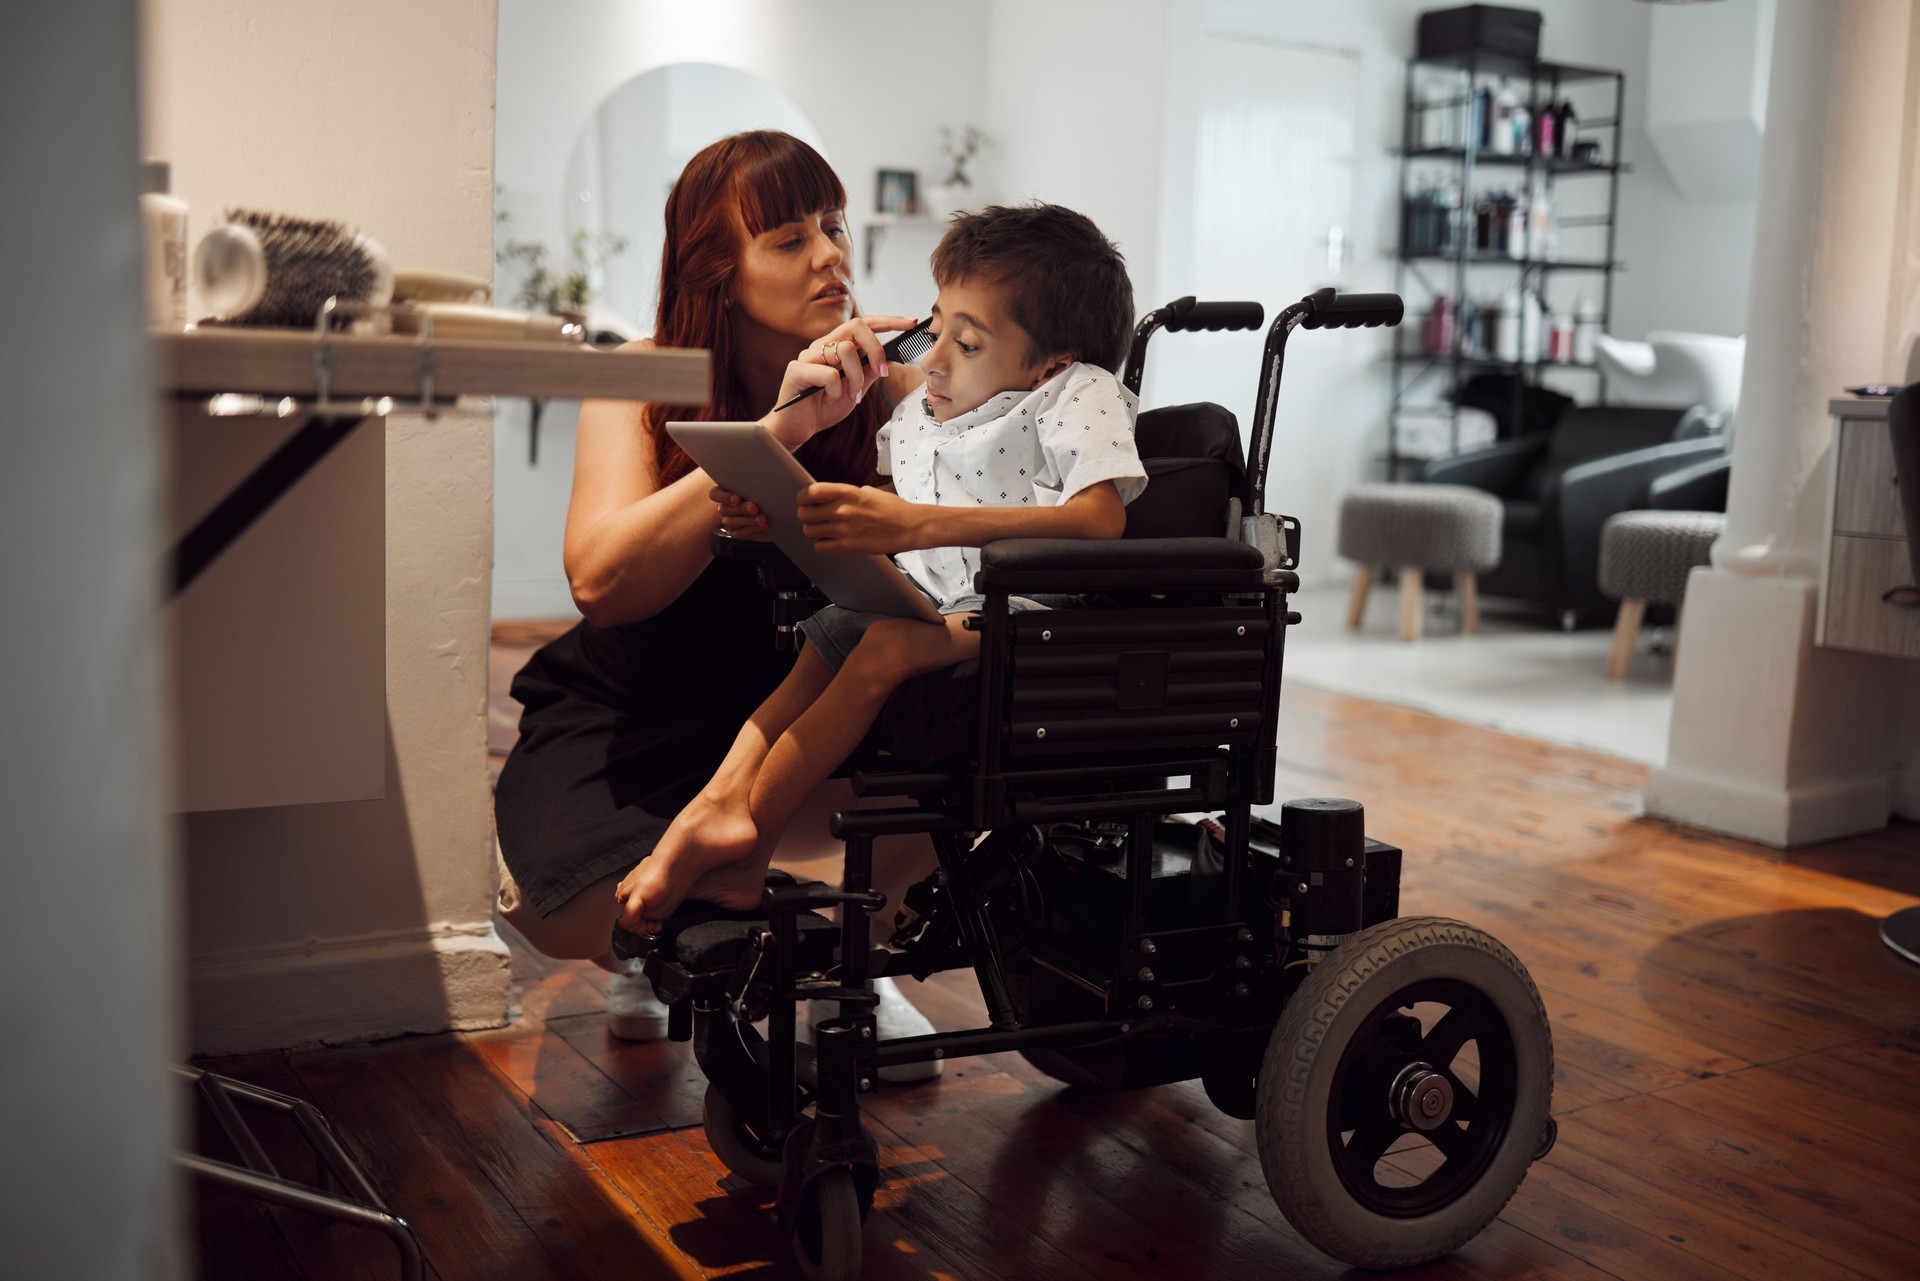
(858, 518)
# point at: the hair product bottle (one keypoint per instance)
(166, 228)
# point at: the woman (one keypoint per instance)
(628, 714)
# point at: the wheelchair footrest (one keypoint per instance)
(701, 946)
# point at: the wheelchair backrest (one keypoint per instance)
(1195, 468)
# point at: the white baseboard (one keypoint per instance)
(544, 597)
(338, 991)
(1780, 817)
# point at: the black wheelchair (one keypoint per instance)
(1398, 1071)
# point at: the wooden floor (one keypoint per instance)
(1738, 1078)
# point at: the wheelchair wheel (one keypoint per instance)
(1404, 1093)
(827, 1235)
(738, 1148)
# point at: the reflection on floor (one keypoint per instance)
(1518, 674)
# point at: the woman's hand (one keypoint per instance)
(740, 518)
(858, 518)
(834, 364)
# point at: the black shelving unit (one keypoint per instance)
(1456, 269)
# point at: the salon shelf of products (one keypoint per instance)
(1486, 231)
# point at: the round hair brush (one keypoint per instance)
(272, 269)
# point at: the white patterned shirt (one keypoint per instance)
(1021, 448)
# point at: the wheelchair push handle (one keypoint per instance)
(1185, 314)
(1322, 309)
(1330, 310)
(1190, 313)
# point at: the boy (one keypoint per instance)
(1020, 431)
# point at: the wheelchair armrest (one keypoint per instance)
(1123, 565)
(752, 551)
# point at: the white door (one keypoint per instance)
(1269, 218)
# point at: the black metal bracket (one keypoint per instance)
(266, 485)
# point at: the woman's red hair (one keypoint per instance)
(731, 191)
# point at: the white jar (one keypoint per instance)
(166, 248)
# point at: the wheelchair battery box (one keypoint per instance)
(1447, 35)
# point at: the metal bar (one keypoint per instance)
(296, 1196)
(1179, 800)
(976, 930)
(856, 878)
(233, 515)
(214, 1095)
(993, 1040)
(1139, 870)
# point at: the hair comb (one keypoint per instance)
(906, 348)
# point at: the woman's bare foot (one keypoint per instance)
(706, 853)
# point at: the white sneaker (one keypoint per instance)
(894, 1017)
(634, 1013)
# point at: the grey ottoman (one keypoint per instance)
(1416, 528)
(1646, 557)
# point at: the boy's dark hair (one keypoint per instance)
(1067, 284)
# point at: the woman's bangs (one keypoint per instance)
(787, 182)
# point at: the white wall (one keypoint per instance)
(1090, 105)
(359, 919)
(90, 947)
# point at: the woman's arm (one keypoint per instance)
(632, 546)
(848, 518)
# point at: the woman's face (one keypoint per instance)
(797, 279)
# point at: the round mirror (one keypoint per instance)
(630, 151)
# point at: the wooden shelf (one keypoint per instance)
(279, 362)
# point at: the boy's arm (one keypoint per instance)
(848, 518)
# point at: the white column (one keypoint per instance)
(1774, 739)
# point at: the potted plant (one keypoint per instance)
(954, 190)
(547, 288)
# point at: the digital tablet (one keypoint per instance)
(745, 458)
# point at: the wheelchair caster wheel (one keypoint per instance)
(1405, 1092)
(827, 1230)
(738, 1148)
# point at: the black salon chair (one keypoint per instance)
(1697, 487)
(1557, 488)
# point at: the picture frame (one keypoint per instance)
(897, 192)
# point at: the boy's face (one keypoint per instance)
(978, 350)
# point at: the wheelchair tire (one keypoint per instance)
(1352, 1056)
(1063, 1067)
(736, 1146)
(827, 1236)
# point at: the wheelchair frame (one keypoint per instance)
(1192, 689)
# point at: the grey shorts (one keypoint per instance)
(833, 631)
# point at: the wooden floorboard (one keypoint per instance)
(1736, 1057)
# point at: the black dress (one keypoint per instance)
(623, 725)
